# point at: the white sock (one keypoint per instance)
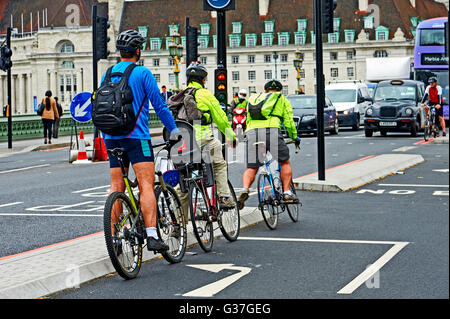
(151, 232)
(288, 192)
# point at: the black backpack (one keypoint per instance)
(112, 105)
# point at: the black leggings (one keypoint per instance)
(47, 128)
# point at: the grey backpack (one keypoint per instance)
(184, 107)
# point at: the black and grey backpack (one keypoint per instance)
(112, 104)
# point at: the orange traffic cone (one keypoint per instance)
(82, 156)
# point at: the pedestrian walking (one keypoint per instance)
(49, 114)
(57, 120)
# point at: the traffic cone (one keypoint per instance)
(100, 153)
(82, 156)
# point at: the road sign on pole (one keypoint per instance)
(81, 107)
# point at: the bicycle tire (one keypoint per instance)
(230, 233)
(426, 133)
(200, 218)
(116, 249)
(293, 209)
(166, 228)
(267, 209)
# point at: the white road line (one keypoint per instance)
(10, 204)
(366, 274)
(413, 185)
(89, 189)
(370, 271)
(404, 149)
(23, 169)
(51, 215)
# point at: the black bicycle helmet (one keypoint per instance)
(273, 85)
(432, 79)
(196, 69)
(129, 41)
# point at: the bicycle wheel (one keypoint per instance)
(427, 132)
(171, 226)
(124, 249)
(229, 220)
(265, 197)
(294, 209)
(201, 221)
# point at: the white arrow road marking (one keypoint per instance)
(79, 110)
(215, 287)
(23, 168)
(441, 170)
(10, 204)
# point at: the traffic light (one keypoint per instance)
(5, 58)
(191, 44)
(221, 85)
(102, 38)
(328, 7)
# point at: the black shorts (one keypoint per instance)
(274, 143)
(136, 151)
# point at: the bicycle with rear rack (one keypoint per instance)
(198, 181)
(124, 226)
(270, 191)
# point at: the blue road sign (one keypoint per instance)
(81, 107)
(218, 4)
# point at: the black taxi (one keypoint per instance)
(396, 108)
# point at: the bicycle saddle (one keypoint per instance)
(117, 152)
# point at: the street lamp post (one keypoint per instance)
(298, 61)
(275, 58)
(176, 53)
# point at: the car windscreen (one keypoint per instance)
(341, 96)
(395, 92)
(303, 102)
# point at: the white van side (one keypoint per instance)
(351, 101)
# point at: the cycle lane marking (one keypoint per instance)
(10, 204)
(367, 274)
(23, 168)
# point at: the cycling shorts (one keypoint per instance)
(136, 151)
(274, 143)
(439, 112)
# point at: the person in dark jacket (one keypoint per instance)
(57, 121)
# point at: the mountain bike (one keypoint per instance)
(124, 226)
(431, 129)
(270, 191)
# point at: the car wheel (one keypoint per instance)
(335, 129)
(414, 129)
(357, 126)
(369, 133)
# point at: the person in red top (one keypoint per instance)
(433, 93)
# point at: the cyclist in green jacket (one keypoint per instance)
(265, 113)
(212, 112)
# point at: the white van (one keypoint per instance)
(351, 101)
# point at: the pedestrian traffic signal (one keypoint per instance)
(5, 58)
(191, 44)
(101, 37)
(328, 7)
(221, 85)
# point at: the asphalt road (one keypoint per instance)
(45, 200)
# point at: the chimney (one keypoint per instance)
(263, 7)
(363, 5)
(413, 3)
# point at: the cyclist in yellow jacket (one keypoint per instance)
(265, 113)
(212, 112)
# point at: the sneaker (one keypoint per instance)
(290, 198)
(444, 134)
(49, 142)
(226, 203)
(157, 245)
(45, 141)
(242, 198)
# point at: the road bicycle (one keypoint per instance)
(431, 129)
(270, 190)
(124, 226)
(197, 180)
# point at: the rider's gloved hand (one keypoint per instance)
(175, 136)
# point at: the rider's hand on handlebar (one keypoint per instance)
(175, 137)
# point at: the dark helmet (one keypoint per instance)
(196, 69)
(273, 85)
(432, 79)
(129, 41)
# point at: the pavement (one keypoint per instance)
(66, 265)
